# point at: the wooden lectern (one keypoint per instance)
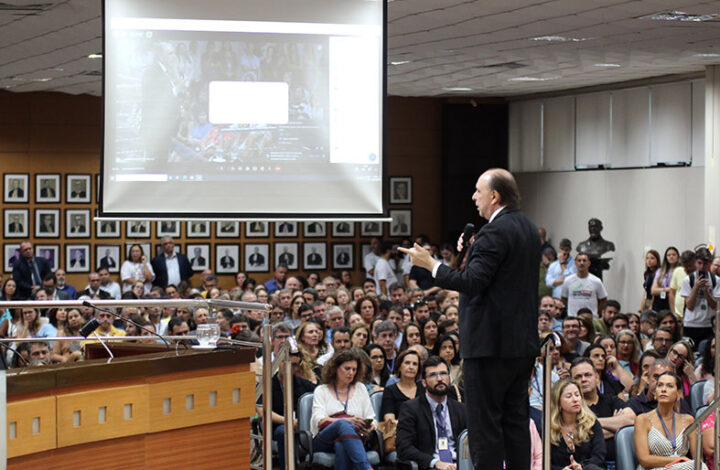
(169, 410)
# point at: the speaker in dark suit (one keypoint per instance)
(417, 439)
(498, 322)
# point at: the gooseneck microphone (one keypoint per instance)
(87, 329)
(116, 315)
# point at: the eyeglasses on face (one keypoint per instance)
(434, 375)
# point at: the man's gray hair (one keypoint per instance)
(386, 325)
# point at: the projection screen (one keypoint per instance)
(256, 108)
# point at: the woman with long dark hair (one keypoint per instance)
(652, 264)
(663, 296)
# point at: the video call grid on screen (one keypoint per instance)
(237, 114)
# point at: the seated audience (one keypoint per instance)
(576, 435)
(429, 425)
(407, 370)
(660, 441)
(342, 414)
(611, 411)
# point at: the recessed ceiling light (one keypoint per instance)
(457, 88)
(531, 79)
(559, 39)
(95, 56)
(44, 79)
(400, 62)
(675, 15)
(606, 65)
(708, 55)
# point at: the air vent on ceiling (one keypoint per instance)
(505, 65)
(30, 9)
(92, 73)
(675, 15)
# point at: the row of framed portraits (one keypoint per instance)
(47, 224)
(78, 188)
(256, 257)
(48, 188)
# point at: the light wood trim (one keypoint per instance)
(115, 425)
(22, 414)
(202, 413)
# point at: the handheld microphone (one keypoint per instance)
(87, 329)
(88, 304)
(468, 232)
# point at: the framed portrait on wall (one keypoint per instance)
(227, 229)
(108, 256)
(16, 223)
(50, 253)
(78, 189)
(401, 190)
(286, 253)
(286, 229)
(107, 228)
(371, 228)
(16, 187)
(168, 228)
(47, 188)
(343, 255)
(401, 225)
(343, 228)
(137, 228)
(314, 229)
(227, 258)
(77, 258)
(199, 256)
(198, 229)
(11, 253)
(314, 256)
(47, 223)
(77, 223)
(257, 257)
(257, 228)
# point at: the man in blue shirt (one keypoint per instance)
(561, 268)
(278, 281)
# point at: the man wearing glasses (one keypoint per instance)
(429, 425)
(661, 340)
(645, 401)
(571, 332)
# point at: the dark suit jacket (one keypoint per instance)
(227, 262)
(415, 439)
(160, 269)
(23, 277)
(100, 293)
(256, 259)
(314, 258)
(499, 289)
(109, 262)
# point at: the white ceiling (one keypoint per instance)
(477, 44)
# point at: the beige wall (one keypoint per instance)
(639, 208)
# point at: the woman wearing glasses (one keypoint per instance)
(682, 357)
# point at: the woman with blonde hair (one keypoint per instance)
(310, 336)
(575, 433)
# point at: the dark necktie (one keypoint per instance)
(35, 273)
(444, 454)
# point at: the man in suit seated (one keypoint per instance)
(429, 425)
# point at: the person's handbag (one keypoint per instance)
(389, 432)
